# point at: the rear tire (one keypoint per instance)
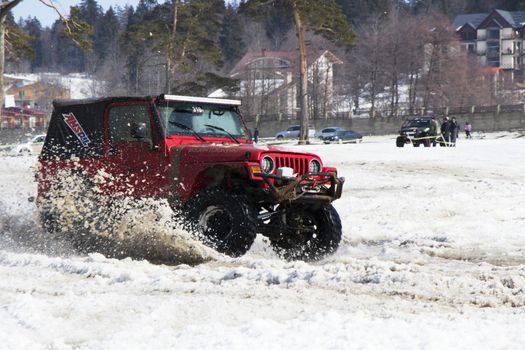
(312, 232)
(222, 220)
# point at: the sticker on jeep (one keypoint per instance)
(77, 129)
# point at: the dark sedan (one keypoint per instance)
(344, 136)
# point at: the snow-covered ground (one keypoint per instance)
(433, 257)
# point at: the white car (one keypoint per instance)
(292, 132)
(31, 146)
(329, 132)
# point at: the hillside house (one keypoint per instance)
(269, 83)
(37, 94)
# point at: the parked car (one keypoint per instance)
(292, 132)
(328, 132)
(30, 146)
(344, 136)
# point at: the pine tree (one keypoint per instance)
(185, 33)
(231, 42)
(33, 28)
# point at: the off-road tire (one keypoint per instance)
(400, 141)
(222, 220)
(314, 245)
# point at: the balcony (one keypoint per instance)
(511, 36)
(481, 52)
(506, 65)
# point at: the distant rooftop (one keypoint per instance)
(473, 19)
(515, 18)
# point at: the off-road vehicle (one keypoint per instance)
(197, 154)
(415, 130)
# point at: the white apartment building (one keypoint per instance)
(497, 38)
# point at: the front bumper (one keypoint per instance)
(322, 187)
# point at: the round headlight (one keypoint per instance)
(315, 166)
(267, 164)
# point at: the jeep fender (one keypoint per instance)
(188, 184)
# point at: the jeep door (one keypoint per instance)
(137, 164)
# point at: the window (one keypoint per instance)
(122, 117)
(201, 119)
(492, 33)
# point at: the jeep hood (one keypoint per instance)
(228, 152)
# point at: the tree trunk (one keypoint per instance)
(2, 56)
(303, 100)
(170, 62)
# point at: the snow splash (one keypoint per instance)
(77, 218)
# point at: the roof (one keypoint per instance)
(220, 101)
(251, 56)
(106, 100)
(474, 19)
(103, 100)
(291, 56)
(515, 18)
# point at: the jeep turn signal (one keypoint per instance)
(256, 169)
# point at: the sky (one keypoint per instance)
(47, 16)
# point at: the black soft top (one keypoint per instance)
(76, 128)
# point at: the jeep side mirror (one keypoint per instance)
(138, 131)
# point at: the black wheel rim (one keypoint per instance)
(216, 224)
(302, 229)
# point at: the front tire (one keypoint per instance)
(311, 233)
(222, 220)
(400, 141)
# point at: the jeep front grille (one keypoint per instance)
(300, 165)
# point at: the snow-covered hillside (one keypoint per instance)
(79, 85)
(433, 257)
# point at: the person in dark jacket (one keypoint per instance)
(256, 135)
(445, 130)
(453, 129)
(434, 130)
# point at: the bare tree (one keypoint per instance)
(369, 60)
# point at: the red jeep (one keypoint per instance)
(197, 153)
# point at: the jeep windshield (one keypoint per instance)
(205, 120)
(415, 123)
